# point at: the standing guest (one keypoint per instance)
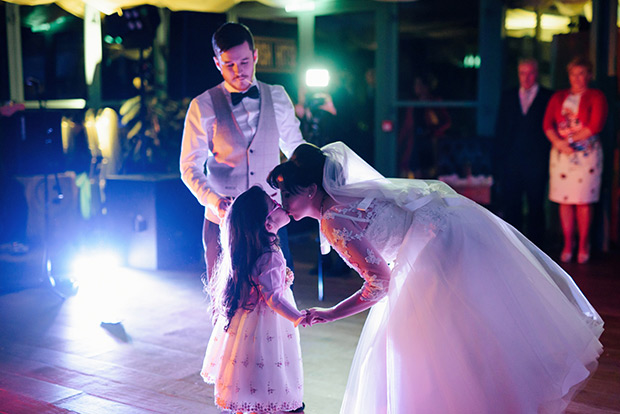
(521, 152)
(573, 120)
(468, 316)
(254, 355)
(233, 134)
(422, 129)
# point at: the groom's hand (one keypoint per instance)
(222, 206)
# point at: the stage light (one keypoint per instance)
(317, 78)
(93, 264)
(98, 276)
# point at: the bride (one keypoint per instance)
(468, 316)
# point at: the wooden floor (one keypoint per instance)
(57, 357)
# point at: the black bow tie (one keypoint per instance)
(236, 97)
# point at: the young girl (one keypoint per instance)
(254, 356)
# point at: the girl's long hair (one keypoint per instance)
(244, 239)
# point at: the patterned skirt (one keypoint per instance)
(576, 178)
(256, 364)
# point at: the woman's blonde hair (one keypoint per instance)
(581, 61)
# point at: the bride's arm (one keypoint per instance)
(350, 306)
(347, 237)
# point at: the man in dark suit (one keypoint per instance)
(521, 153)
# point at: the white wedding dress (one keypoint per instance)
(474, 318)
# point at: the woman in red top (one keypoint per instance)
(573, 120)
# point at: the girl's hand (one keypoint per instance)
(318, 315)
(307, 320)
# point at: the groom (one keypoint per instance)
(233, 134)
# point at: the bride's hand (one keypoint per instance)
(317, 315)
(307, 320)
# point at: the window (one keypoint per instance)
(52, 53)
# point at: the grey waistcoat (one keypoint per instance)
(236, 165)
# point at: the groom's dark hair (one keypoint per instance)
(230, 35)
(304, 168)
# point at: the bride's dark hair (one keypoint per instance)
(244, 239)
(305, 167)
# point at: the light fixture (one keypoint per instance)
(76, 103)
(299, 6)
(519, 19)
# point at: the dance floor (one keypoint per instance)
(56, 355)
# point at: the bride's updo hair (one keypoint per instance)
(304, 168)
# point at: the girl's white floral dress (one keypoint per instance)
(256, 364)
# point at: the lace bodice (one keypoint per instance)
(382, 223)
(367, 239)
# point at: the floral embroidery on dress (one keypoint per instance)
(343, 236)
(371, 258)
(343, 210)
(374, 288)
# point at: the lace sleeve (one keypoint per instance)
(345, 231)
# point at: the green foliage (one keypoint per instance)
(153, 132)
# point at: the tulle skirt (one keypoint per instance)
(256, 365)
(477, 320)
